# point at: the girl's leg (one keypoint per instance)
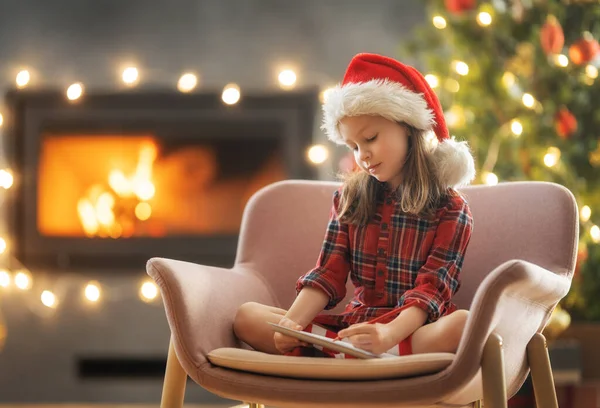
(250, 325)
(440, 336)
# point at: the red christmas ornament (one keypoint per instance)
(584, 50)
(552, 37)
(459, 6)
(565, 123)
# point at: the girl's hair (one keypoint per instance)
(420, 192)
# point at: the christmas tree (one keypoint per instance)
(518, 80)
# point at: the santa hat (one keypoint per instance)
(378, 85)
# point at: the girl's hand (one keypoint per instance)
(285, 343)
(376, 338)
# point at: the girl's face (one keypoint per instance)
(380, 146)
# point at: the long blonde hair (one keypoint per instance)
(420, 192)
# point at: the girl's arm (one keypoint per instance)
(309, 303)
(407, 322)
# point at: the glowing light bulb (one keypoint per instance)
(508, 79)
(231, 94)
(92, 292)
(4, 278)
(552, 156)
(325, 94)
(461, 67)
(75, 91)
(591, 71)
(528, 100)
(148, 291)
(22, 281)
(585, 213)
(287, 78)
(130, 75)
(432, 80)
(490, 179)
(595, 233)
(317, 154)
(6, 179)
(561, 60)
(187, 82)
(48, 299)
(23, 78)
(516, 127)
(484, 19)
(439, 22)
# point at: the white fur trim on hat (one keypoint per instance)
(454, 163)
(385, 98)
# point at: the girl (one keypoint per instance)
(397, 226)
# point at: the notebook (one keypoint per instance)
(341, 346)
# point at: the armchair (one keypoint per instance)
(518, 266)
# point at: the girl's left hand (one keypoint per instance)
(375, 338)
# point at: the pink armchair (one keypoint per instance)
(518, 266)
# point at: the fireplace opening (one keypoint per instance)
(133, 185)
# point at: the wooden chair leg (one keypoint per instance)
(174, 384)
(541, 372)
(492, 372)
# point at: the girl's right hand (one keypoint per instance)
(285, 343)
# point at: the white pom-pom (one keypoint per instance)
(454, 163)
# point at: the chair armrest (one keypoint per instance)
(200, 303)
(515, 301)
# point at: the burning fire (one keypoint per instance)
(112, 210)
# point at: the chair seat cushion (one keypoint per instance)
(330, 368)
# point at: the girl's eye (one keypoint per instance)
(372, 138)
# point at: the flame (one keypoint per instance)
(101, 209)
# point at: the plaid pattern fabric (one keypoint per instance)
(396, 259)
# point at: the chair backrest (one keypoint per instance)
(284, 226)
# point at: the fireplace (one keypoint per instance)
(114, 179)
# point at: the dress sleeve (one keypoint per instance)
(439, 278)
(333, 264)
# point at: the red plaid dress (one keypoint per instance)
(397, 259)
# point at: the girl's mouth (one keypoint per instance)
(373, 169)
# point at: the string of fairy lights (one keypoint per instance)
(187, 83)
(92, 292)
(514, 126)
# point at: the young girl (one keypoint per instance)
(397, 226)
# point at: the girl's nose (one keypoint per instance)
(364, 155)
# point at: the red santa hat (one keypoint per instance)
(378, 85)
